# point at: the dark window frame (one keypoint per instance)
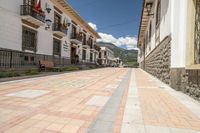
(84, 54)
(56, 47)
(29, 39)
(74, 31)
(84, 39)
(57, 20)
(100, 55)
(91, 56)
(105, 53)
(150, 35)
(150, 31)
(158, 14)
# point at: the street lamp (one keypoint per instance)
(48, 22)
(149, 8)
(48, 8)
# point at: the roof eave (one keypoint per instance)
(73, 12)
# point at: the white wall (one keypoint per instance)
(179, 20)
(173, 22)
(165, 25)
(10, 26)
(11, 29)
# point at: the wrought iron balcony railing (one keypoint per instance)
(76, 36)
(60, 28)
(29, 10)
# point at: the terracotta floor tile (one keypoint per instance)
(55, 126)
(76, 122)
(32, 130)
(28, 123)
(42, 124)
(15, 129)
(70, 129)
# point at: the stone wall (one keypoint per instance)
(187, 81)
(191, 83)
(157, 62)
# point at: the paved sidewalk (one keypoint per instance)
(153, 107)
(65, 103)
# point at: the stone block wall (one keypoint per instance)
(157, 62)
(187, 81)
(190, 83)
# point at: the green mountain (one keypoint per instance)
(127, 56)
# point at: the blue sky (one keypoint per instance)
(116, 21)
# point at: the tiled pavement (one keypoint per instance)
(103, 100)
(153, 107)
(66, 103)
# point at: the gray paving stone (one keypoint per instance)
(98, 101)
(28, 93)
(176, 130)
(106, 117)
(156, 129)
(103, 125)
(136, 128)
(105, 120)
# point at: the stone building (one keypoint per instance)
(33, 30)
(169, 42)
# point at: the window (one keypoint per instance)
(90, 43)
(30, 2)
(197, 33)
(150, 30)
(73, 32)
(84, 39)
(84, 55)
(105, 53)
(56, 47)
(146, 42)
(158, 13)
(29, 39)
(100, 55)
(57, 21)
(91, 57)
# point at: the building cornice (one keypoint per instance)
(143, 24)
(66, 8)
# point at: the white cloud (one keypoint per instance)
(128, 42)
(94, 26)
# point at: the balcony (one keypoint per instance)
(32, 16)
(59, 29)
(91, 47)
(85, 45)
(76, 38)
(97, 48)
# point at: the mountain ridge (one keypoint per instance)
(125, 55)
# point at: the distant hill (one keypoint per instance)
(127, 56)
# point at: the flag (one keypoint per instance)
(38, 5)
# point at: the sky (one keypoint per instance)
(116, 21)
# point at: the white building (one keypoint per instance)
(169, 42)
(55, 32)
(106, 56)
